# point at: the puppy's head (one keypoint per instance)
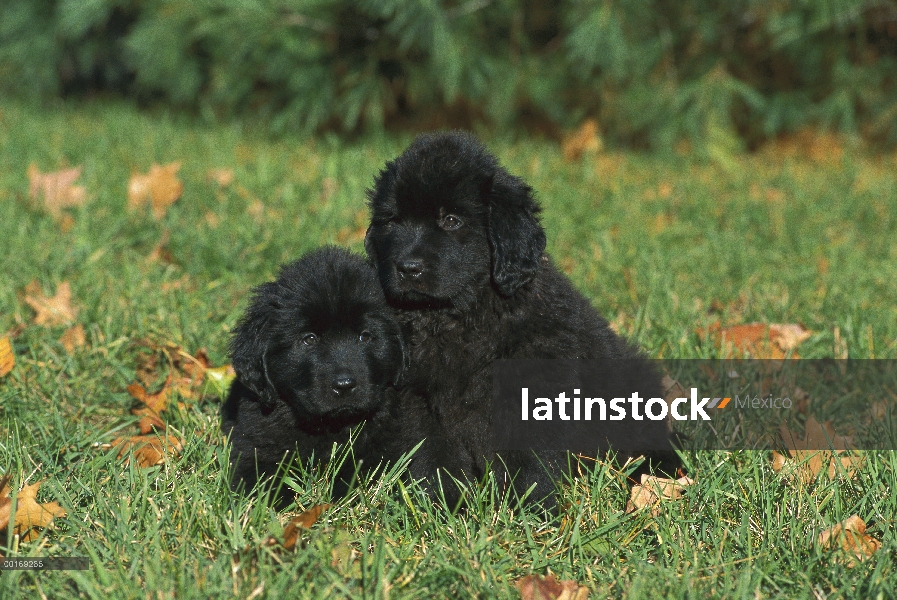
(447, 221)
(321, 338)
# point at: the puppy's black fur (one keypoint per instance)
(459, 250)
(317, 352)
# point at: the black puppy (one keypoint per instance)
(317, 352)
(459, 250)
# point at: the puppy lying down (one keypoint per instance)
(316, 353)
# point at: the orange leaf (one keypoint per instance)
(850, 536)
(651, 490)
(303, 521)
(160, 188)
(30, 514)
(149, 450)
(154, 404)
(73, 338)
(535, 587)
(54, 311)
(7, 358)
(56, 189)
(759, 340)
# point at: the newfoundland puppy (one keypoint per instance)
(317, 352)
(459, 251)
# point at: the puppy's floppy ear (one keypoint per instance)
(379, 198)
(249, 348)
(515, 234)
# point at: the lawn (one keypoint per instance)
(801, 232)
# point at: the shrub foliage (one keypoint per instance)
(722, 73)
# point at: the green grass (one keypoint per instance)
(662, 246)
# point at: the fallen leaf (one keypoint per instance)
(160, 188)
(7, 358)
(186, 372)
(149, 450)
(223, 177)
(219, 379)
(291, 531)
(850, 536)
(536, 587)
(57, 189)
(54, 311)
(651, 490)
(585, 139)
(30, 514)
(759, 340)
(153, 405)
(73, 338)
(818, 451)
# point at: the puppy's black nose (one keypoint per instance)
(410, 267)
(343, 384)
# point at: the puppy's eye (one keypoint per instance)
(309, 339)
(451, 223)
(365, 336)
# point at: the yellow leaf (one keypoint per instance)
(7, 358)
(160, 188)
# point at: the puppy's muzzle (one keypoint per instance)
(343, 385)
(410, 268)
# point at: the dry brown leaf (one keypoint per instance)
(759, 340)
(30, 514)
(223, 177)
(651, 490)
(7, 358)
(809, 456)
(51, 312)
(57, 189)
(291, 531)
(153, 405)
(186, 372)
(73, 338)
(160, 188)
(585, 139)
(149, 450)
(850, 536)
(536, 587)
